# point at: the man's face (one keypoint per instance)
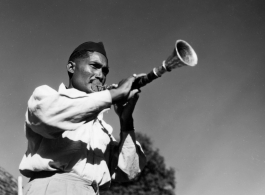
(89, 72)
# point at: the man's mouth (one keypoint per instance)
(96, 86)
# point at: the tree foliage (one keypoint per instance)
(8, 184)
(155, 178)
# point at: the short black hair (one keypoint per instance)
(83, 51)
(80, 55)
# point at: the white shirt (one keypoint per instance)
(66, 131)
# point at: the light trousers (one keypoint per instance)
(61, 184)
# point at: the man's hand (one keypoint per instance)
(122, 91)
(124, 100)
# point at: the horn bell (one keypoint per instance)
(183, 55)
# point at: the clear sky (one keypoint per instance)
(207, 121)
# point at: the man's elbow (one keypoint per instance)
(123, 177)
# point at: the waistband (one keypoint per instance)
(68, 177)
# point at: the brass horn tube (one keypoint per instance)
(183, 55)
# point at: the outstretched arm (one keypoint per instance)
(50, 112)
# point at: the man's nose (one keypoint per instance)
(99, 75)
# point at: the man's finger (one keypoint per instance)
(133, 93)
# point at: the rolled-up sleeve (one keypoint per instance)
(130, 158)
(50, 112)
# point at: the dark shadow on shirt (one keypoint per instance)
(63, 152)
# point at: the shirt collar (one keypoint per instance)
(72, 91)
(62, 88)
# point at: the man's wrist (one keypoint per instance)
(128, 130)
(127, 125)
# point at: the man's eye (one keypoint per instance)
(95, 66)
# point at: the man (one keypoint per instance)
(71, 149)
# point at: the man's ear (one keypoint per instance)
(70, 67)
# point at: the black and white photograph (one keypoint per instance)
(125, 97)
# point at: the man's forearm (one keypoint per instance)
(50, 112)
(127, 125)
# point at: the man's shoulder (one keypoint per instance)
(43, 90)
